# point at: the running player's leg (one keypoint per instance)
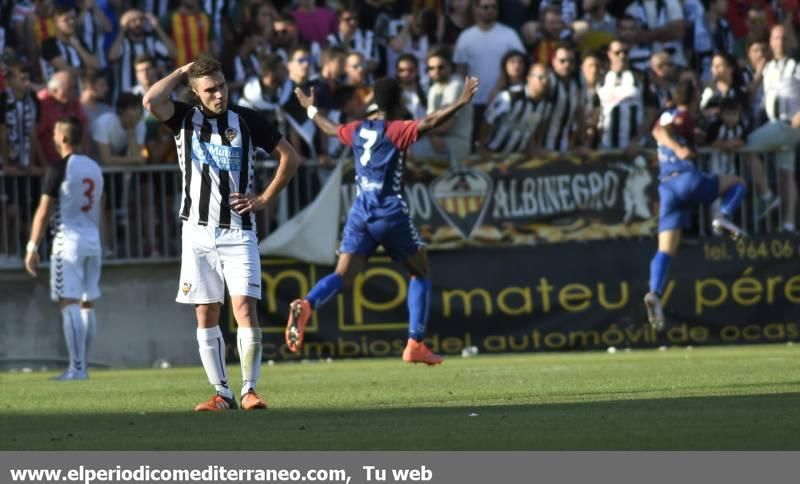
(201, 284)
(357, 245)
(401, 239)
(241, 263)
(347, 267)
(732, 191)
(673, 216)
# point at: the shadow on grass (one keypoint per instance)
(753, 422)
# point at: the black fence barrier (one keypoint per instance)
(568, 296)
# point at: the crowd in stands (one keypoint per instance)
(555, 76)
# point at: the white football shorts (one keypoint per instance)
(74, 269)
(212, 257)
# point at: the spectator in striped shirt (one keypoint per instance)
(352, 38)
(628, 104)
(728, 134)
(140, 34)
(726, 84)
(515, 122)
(65, 50)
(638, 52)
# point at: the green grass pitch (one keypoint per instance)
(707, 398)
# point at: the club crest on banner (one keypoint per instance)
(462, 197)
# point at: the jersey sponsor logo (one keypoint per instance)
(366, 185)
(220, 157)
(186, 287)
(462, 197)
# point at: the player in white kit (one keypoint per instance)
(72, 192)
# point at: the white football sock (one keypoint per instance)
(212, 354)
(90, 326)
(75, 336)
(249, 343)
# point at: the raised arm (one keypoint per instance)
(437, 118)
(157, 98)
(326, 125)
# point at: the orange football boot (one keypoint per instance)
(252, 401)
(216, 404)
(299, 312)
(418, 352)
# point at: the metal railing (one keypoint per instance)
(758, 169)
(140, 213)
(139, 217)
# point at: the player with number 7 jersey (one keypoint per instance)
(379, 215)
(72, 195)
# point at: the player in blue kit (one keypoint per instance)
(379, 215)
(682, 187)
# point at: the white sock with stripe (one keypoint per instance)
(212, 354)
(75, 336)
(249, 343)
